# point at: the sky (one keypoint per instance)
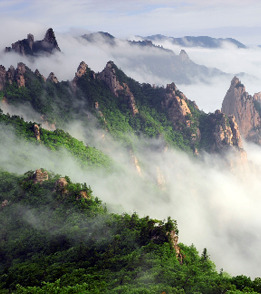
(217, 18)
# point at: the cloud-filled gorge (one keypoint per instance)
(216, 204)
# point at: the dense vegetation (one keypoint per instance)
(56, 237)
(55, 141)
(62, 102)
(61, 239)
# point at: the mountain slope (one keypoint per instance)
(200, 41)
(121, 106)
(56, 236)
(151, 59)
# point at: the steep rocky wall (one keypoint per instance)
(244, 107)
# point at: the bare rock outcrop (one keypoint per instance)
(176, 105)
(4, 203)
(184, 56)
(81, 70)
(19, 74)
(29, 47)
(60, 186)
(52, 78)
(224, 134)
(245, 108)
(40, 176)
(2, 77)
(174, 242)
(37, 132)
(109, 76)
(13, 75)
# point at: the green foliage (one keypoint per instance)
(57, 140)
(55, 240)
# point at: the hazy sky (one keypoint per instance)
(218, 18)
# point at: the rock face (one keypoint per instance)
(13, 75)
(224, 133)
(52, 78)
(176, 105)
(109, 76)
(60, 186)
(81, 70)
(37, 132)
(40, 176)
(174, 242)
(29, 47)
(245, 108)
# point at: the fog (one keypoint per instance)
(215, 206)
(145, 64)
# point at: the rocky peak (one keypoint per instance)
(30, 39)
(52, 78)
(29, 47)
(176, 105)
(50, 37)
(38, 74)
(245, 108)
(40, 176)
(81, 70)
(13, 75)
(184, 56)
(19, 74)
(109, 76)
(225, 133)
(60, 186)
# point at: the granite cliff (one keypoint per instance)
(246, 109)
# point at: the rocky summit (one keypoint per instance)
(30, 47)
(246, 109)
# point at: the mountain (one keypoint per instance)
(201, 41)
(57, 237)
(121, 105)
(151, 59)
(246, 109)
(30, 47)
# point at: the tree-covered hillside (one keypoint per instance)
(121, 105)
(55, 141)
(57, 237)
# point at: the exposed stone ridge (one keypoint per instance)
(184, 56)
(176, 105)
(109, 76)
(226, 133)
(52, 78)
(81, 70)
(40, 176)
(244, 107)
(12, 75)
(61, 186)
(33, 48)
(37, 132)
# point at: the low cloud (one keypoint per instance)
(216, 207)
